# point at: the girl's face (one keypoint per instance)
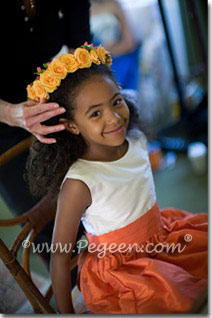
(101, 114)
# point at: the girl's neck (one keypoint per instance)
(106, 153)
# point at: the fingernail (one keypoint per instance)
(62, 110)
(55, 105)
(61, 128)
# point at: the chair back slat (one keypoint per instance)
(20, 238)
(42, 213)
(26, 252)
(15, 150)
(49, 294)
(14, 221)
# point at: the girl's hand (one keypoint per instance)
(30, 115)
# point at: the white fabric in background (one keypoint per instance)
(105, 27)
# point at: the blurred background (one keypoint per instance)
(169, 42)
(159, 50)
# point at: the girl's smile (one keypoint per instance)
(101, 117)
(115, 131)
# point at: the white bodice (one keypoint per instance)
(121, 190)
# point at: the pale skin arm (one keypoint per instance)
(29, 115)
(126, 42)
(72, 202)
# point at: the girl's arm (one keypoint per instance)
(72, 202)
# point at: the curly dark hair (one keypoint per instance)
(47, 164)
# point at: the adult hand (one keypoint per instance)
(30, 115)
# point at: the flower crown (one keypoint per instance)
(50, 77)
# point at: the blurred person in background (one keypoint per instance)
(110, 27)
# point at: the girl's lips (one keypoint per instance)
(115, 131)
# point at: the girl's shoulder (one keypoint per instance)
(138, 146)
(136, 136)
(79, 170)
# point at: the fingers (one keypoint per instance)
(43, 100)
(45, 140)
(39, 118)
(29, 103)
(34, 114)
(32, 109)
(45, 130)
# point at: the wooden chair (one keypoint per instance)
(34, 221)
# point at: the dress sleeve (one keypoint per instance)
(143, 141)
(78, 173)
(139, 136)
(76, 19)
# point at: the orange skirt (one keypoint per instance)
(155, 265)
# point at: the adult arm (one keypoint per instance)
(72, 202)
(29, 115)
(126, 42)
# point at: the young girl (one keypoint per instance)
(139, 259)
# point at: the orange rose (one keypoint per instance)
(94, 57)
(69, 61)
(40, 90)
(57, 69)
(31, 93)
(83, 57)
(101, 52)
(49, 81)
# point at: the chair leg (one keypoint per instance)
(34, 296)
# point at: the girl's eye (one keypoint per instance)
(96, 113)
(117, 101)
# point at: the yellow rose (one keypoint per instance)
(49, 81)
(40, 90)
(69, 61)
(94, 57)
(57, 69)
(83, 57)
(31, 93)
(101, 52)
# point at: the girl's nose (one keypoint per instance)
(112, 117)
